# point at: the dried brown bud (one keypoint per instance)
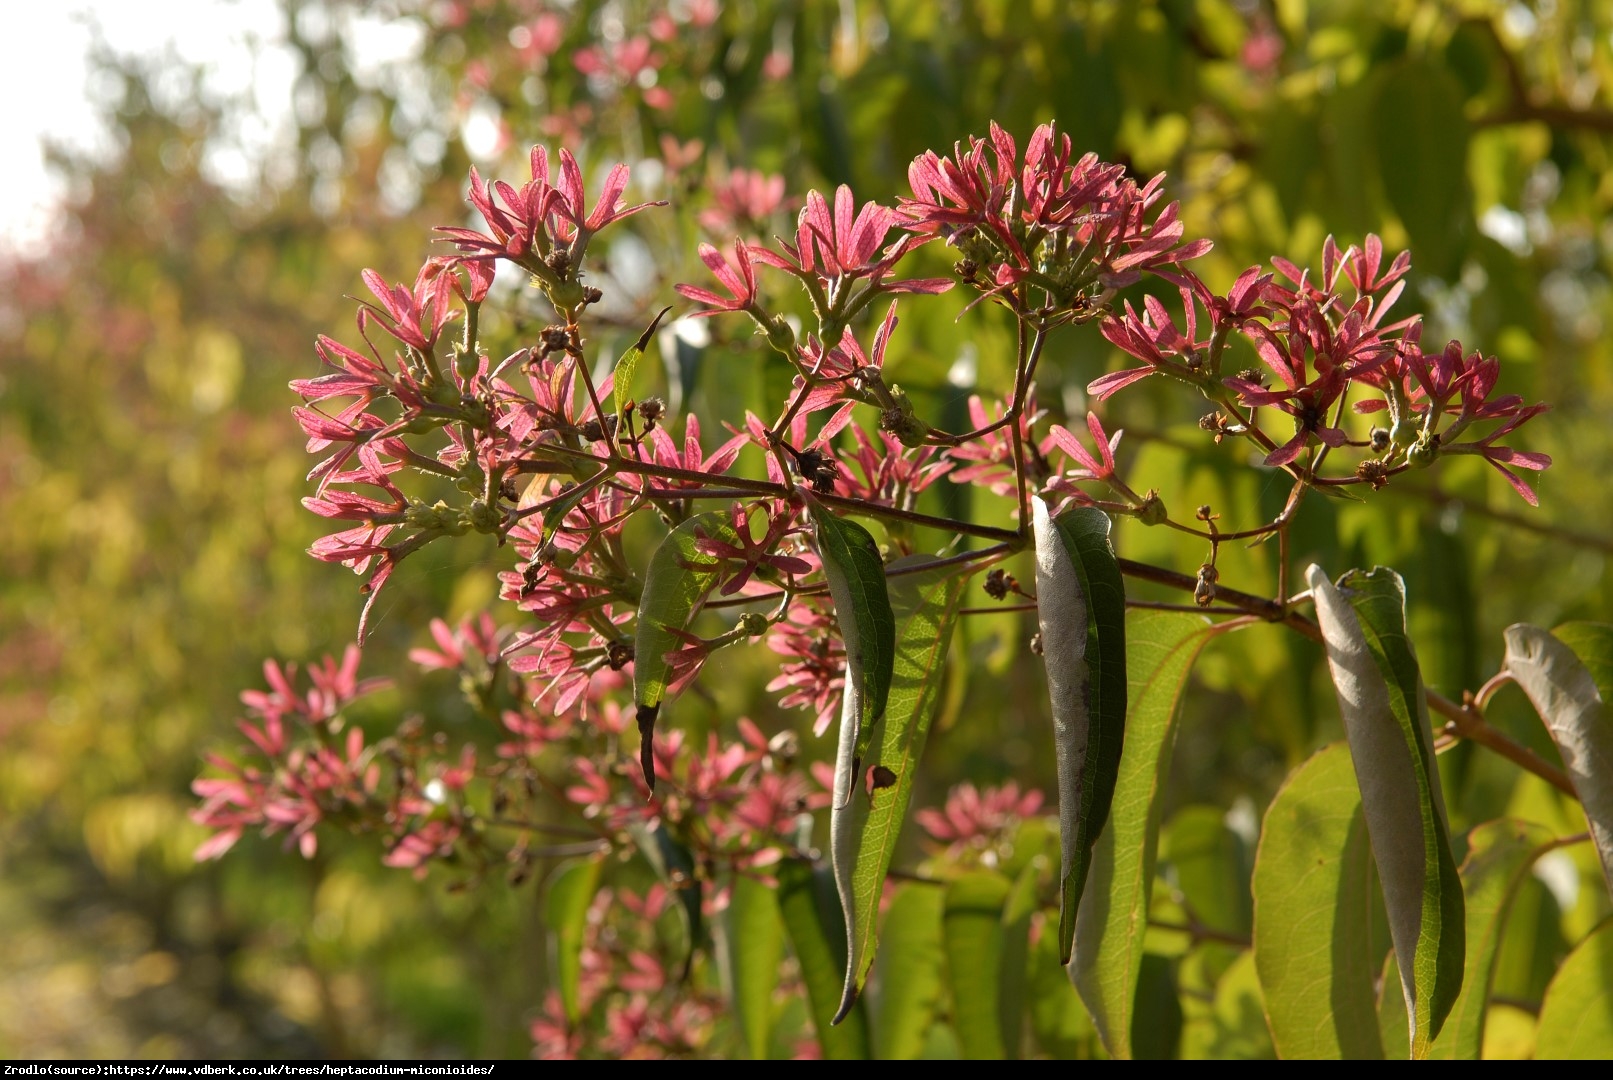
(1374, 472)
(999, 583)
(593, 432)
(650, 410)
(1204, 591)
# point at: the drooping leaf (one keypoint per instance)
(679, 578)
(1576, 1019)
(1113, 919)
(973, 926)
(1559, 672)
(818, 935)
(1385, 714)
(1312, 890)
(864, 830)
(571, 890)
(910, 972)
(856, 577)
(756, 944)
(1081, 606)
(1499, 857)
(627, 366)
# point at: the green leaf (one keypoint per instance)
(856, 577)
(1499, 857)
(1380, 695)
(972, 922)
(1313, 914)
(756, 944)
(910, 975)
(818, 935)
(627, 365)
(1576, 1019)
(1113, 919)
(571, 890)
(1567, 675)
(677, 583)
(864, 831)
(1081, 606)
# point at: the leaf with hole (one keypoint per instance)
(864, 827)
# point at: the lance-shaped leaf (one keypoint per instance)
(1576, 1018)
(677, 583)
(1081, 606)
(1113, 920)
(627, 367)
(863, 831)
(856, 577)
(812, 917)
(1380, 694)
(566, 911)
(1313, 914)
(1568, 675)
(755, 946)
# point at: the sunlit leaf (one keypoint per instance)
(1109, 932)
(627, 367)
(1566, 675)
(756, 944)
(865, 826)
(679, 578)
(1313, 914)
(818, 936)
(1576, 1019)
(1081, 606)
(571, 890)
(1386, 723)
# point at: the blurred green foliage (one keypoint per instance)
(152, 541)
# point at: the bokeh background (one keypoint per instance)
(152, 544)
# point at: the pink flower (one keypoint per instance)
(745, 200)
(973, 817)
(741, 283)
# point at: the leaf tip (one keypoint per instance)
(848, 1001)
(645, 715)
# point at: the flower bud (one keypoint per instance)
(901, 421)
(1422, 453)
(780, 335)
(1152, 511)
(753, 624)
